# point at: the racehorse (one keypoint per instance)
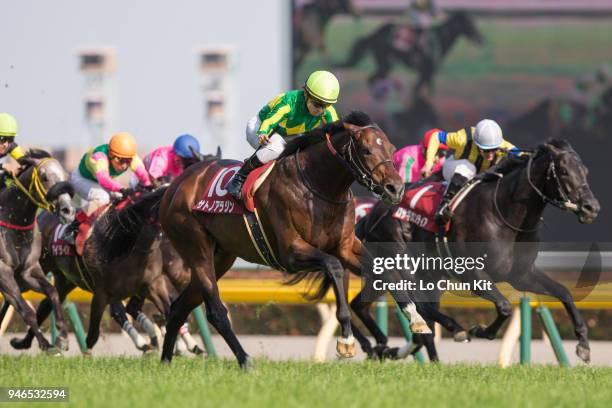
(426, 61)
(41, 183)
(118, 261)
(503, 213)
(306, 211)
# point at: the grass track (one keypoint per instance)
(118, 382)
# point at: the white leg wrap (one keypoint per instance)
(189, 340)
(412, 314)
(146, 324)
(346, 340)
(137, 339)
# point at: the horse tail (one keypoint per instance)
(318, 281)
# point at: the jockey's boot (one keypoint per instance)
(443, 214)
(70, 231)
(234, 186)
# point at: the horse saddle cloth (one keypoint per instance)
(420, 203)
(216, 199)
(363, 207)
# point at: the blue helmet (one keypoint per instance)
(184, 144)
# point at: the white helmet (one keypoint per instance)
(488, 135)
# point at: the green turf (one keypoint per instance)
(115, 382)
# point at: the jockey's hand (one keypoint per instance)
(264, 139)
(426, 171)
(11, 168)
(126, 192)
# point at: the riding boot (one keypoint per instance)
(443, 212)
(234, 186)
(69, 233)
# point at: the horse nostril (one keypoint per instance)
(65, 210)
(390, 188)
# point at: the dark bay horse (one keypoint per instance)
(40, 184)
(506, 212)
(306, 211)
(121, 259)
(426, 61)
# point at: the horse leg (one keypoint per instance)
(98, 304)
(117, 311)
(538, 282)
(431, 311)
(361, 308)
(12, 293)
(5, 306)
(303, 256)
(64, 287)
(134, 309)
(203, 286)
(36, 279)
(504, 310)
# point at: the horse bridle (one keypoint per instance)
(565, 203)
(350, 159)
(36, 185)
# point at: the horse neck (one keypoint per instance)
(15, 205)
(519, 203)
(324, 171)
(447, 36)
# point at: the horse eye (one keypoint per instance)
(365, 151)
(564, 172)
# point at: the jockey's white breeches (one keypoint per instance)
(91, 193)
(266, 152)
(461, 166)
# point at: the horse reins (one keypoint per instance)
(37, 185)
(351, 161)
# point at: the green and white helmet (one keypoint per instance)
(324, 86)
(488, 135)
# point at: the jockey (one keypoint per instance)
(167, 162)
(94, 178)
(409, 160)
(8, 132)
(290, 113)
(476, 149)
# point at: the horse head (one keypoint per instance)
(464, 24)
(47, 182)
(370, 155)
(567, 183)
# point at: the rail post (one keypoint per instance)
(77, 325)
(553, 334)
(382, 314)
(525, 330)
(204, 331)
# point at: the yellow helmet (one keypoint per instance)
(8, 125)
(122, 145)
(324, 86)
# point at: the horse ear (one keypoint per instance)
(552, 148)
(350, 127)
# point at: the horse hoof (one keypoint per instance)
(87, 353)
(247, 365)
(197, 350)
(53, 351)
(345, 347)
(391, 353)
(144, 348)
(379, 351)
(584, 353)
(20, 344)
(62, 343)
(480, 332)
(461, 337)
(420, 327)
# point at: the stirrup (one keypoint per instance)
(234, 186)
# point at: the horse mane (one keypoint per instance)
(117, 232)
(37, 154)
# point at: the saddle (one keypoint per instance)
(216, 199)
(420, 203)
